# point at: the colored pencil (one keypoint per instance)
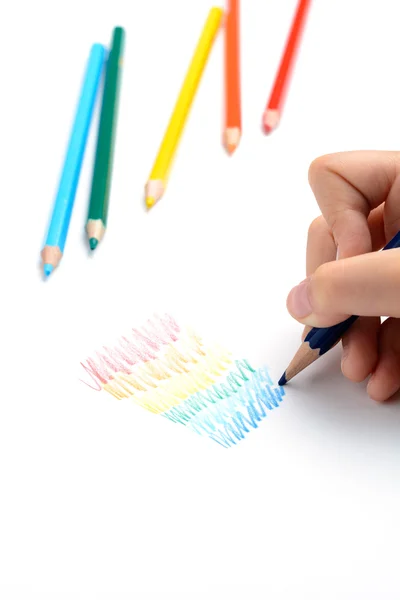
(273, 111)
(65, 198)
(103, 165)
(321, 339)
(233, 110)
(156, 184)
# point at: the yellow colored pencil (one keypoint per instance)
(156, 184)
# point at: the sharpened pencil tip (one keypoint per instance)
(48, 269)
(230, 148)
(270, 121)
(267, 129)
(150, 201)
(282, 380)
(93, 243)
(231, 139)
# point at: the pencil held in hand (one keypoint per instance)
(273, 111)
(320, 340)
(65, 199)
(233, 110)
(102, 173)
(156, 184)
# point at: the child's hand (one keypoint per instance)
(359, 197)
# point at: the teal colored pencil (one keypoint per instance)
(62, 211)
(102, 172)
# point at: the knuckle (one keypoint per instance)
(323, 291)
(319, 166)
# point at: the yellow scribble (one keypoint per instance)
(161, 384)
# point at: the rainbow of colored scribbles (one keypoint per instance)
(170, 371)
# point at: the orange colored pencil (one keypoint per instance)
(233, 110)
(273, 111)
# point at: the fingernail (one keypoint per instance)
(298, 302)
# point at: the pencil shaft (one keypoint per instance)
(99, 198)
(324, 338)
(186, 96)
(283, 75)
(233, 118)
(58, 230)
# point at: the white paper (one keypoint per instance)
(100, 498)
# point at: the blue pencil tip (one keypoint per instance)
(282, 380)
(48, 269)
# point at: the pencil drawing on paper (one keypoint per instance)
(172, 372)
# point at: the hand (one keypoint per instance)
(359, 197)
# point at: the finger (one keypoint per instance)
(366, 285)
(392, 210)
(360, 349)
(377, 227)
(385, 381)
(321, 247)
(347, 186)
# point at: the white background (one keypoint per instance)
(100, 499)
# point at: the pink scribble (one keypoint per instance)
(143, 346)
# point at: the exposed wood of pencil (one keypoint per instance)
(51, 255)
(303, 358)
(271, 120)
(233, 110)
(153, 190)
(95, 229)
(305, 332)
(232, 139)
(274, 107)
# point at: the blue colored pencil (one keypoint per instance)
(64, 202)
(321, 339)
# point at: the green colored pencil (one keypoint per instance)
(102, 172)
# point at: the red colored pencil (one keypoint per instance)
(273, 111)
(233, 118)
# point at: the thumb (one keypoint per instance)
(366, 285)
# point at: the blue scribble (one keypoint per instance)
(229, 413)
